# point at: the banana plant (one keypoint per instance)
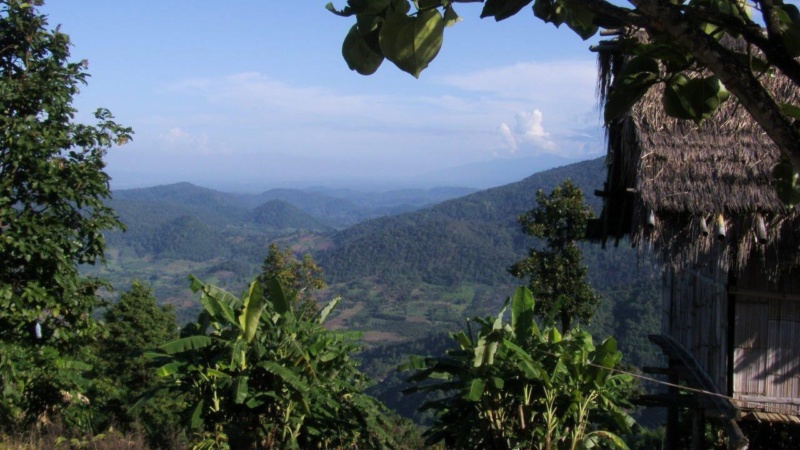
(258, 375)
(515, 385)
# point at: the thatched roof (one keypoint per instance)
(666, 177)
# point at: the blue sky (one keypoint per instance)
(256, 92)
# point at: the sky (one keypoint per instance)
(256, 93)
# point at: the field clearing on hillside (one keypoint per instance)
(382, 337)
(167, 278)
(392, 313)
(341, 320)
(385, 312)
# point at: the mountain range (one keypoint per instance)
(405, 262)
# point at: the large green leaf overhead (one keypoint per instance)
(359, 54)
(411, 42)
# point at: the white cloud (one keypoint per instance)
(528, 132)
(175, 136)
(529, 127)
(259, 114)
(178, 139)
(563, 91)
(508, 137)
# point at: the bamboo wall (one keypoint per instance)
(695, 315)
(767, 341)
(766, 331)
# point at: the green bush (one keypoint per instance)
(512, 385)
(257, 375)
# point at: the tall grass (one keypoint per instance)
(55, 436)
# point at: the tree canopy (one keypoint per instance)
(556, 272)
(299, 277)
(134, 323)
(683, 45)
(52, 186)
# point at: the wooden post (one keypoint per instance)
(698, 429)
(672, 438)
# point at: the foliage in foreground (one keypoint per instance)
(55, 437)
(255, 375)
(52, 187)
(121, 374)
(514, 385)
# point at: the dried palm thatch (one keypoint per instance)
(670, 181)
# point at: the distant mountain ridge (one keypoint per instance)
(473, 237)
(185, 221)
(336, 208)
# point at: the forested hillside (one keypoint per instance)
(405, 279)
(279, 215)
(473, 238)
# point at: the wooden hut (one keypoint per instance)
(702, 197)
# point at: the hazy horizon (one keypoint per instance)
(477, 176)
